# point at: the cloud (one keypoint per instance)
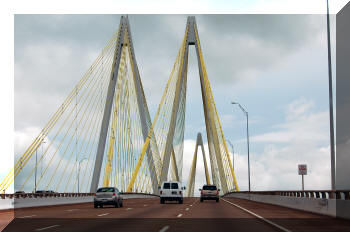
(302, 138)
(302, 126)
(242, 47)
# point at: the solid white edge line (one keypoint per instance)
(187, 209)
(258, 216)
(165, 228)
(45, 228)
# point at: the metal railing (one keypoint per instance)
(41, 195)
(322, 194)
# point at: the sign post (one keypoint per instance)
(302, 168)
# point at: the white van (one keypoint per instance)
(171, 191)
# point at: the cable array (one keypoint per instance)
(138, 153)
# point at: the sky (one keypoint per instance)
(275, 66)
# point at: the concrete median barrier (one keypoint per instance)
(10, 201)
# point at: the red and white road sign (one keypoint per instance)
(302, 168)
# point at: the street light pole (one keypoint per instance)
(246, 114)
(42, 154)
(331, 123)
(233, 154)
(36, 165)
(79, 171)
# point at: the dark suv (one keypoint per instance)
(108, 196)
(209, 192)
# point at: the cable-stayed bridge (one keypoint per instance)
(103, 135)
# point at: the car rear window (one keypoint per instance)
(174, 186)
(103, 190)
(166, 186)
(209, 187)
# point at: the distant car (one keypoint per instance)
(108, 196)
(40, 192)
(19, 192)
(171, 191)
(209, 192)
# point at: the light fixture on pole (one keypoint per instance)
(233, 154)
(79, 171)
(246, 114)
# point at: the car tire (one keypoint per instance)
(201, 200)
(161, 201)
(121, 204)
(180, 201)
(95, 206)
(116, 205)
(217, 199)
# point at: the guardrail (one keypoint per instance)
(41, 195)
(135, 193)
(322, 194)
(23, 200)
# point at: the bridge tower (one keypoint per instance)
(124, 42)
(192, 176)
(175, 106)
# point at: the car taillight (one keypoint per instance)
(180, 192)
(95, 194)
(161, 192)
(217, 192)
(113, 194)
(202, 192)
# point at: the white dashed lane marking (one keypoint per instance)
(29, 216)
(165, 228)
(45, 228)
(100, 215)
(71, 210)
(180, 215)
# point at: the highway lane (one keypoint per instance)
(192, 215)
(6, 216)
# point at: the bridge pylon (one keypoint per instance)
(124, 44)
(192, 176)
(171, 111)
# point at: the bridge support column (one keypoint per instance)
(108, 107)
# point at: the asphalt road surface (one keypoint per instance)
(229, 214)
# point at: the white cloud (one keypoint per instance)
(302, 126)
(304, 135)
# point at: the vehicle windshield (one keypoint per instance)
(103, 190)
(166, 186)
(174, 186)
(209, 187)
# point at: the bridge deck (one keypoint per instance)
(150, 215)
